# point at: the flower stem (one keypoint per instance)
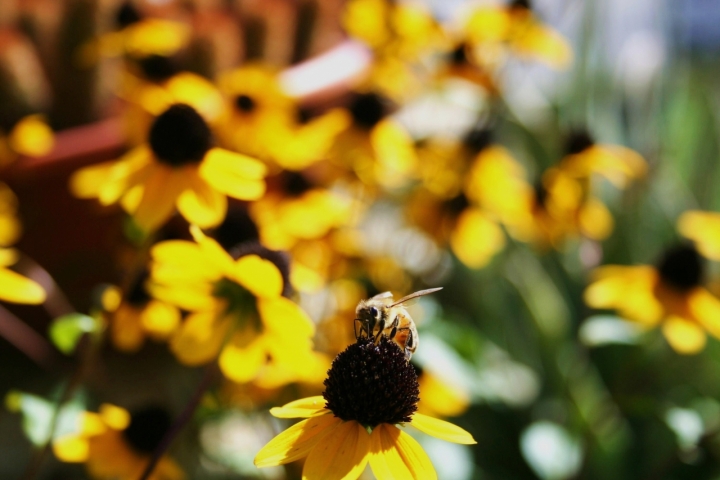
(180, 422)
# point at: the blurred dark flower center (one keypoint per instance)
(456, 205)
(367, 110)
(372, 384)
(137, 296)
(521, 4)
(245, 103)
(681, 267)
(541, 193)
(459, 55)
(478, 138)
(577, 142)
(180, 136)
(126, 15)
(158, 68)
(296, 184)
(147, 428)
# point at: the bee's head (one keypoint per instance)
(368, 314)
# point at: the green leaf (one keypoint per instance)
(66, 331)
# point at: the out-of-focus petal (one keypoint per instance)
(31, 136)
(18, 289)
(201, 204)
(234, 174)
(628, 290)
(199, 338)
(683, 335)
(259, 276)
(476, 238)
(703, 228)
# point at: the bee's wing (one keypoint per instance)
(383, 297)
(415, 295)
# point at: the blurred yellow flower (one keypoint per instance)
(515, 29)
(30, 136)
(347, 427)
(13, 286)
(257, 110)
(138, 316)
(115, 445)
(177, 169)
(669, 295)
(375, 148)
(237, 311)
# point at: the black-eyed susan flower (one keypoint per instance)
(375, 147)
(257, 110)
(669, 295)
(399, 35)
(371, 394)
(515, 29)
(115, 444)
(13, 286)
(237, 313)
(178, 168)
(136, 316)
(301, 211)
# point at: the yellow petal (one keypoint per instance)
(155, 36)
(284, 318)
(18, 289)
(214, 254)
(303, 408)
(341, 454)
(394, 152)
(31, 136)
(241, 361)
(705, 307)
(202, 205)
(627, 289)
(704, 229)
(125, 330)
(684, 336)
(395, 454)
(261, 277)
(160, 194)
(71, 448)
(544, 44)
(199, 339)
(295, 442)
(441, 429)
(234, 174)
(114, 417)
(595, 220)
(159, 319)
(476, 238)
(87, 182)
(188, 297)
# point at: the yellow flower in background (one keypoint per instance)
(116, 445)
(137, 37)
(14, 287)
(516, 30)
(30, 136)
(257, 110)
(349, 427)
(400, 35)
(237, 312)
(669, 295)
(703, 228)
(136, 316)
(178, 168)
(619, 165)
(301, 212)
(375, 148)
(440, 398)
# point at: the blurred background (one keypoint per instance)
(503, 151)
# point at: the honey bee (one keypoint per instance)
(380, 315)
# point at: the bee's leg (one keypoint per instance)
(381, 327)
(394, 330)
(358, 334)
